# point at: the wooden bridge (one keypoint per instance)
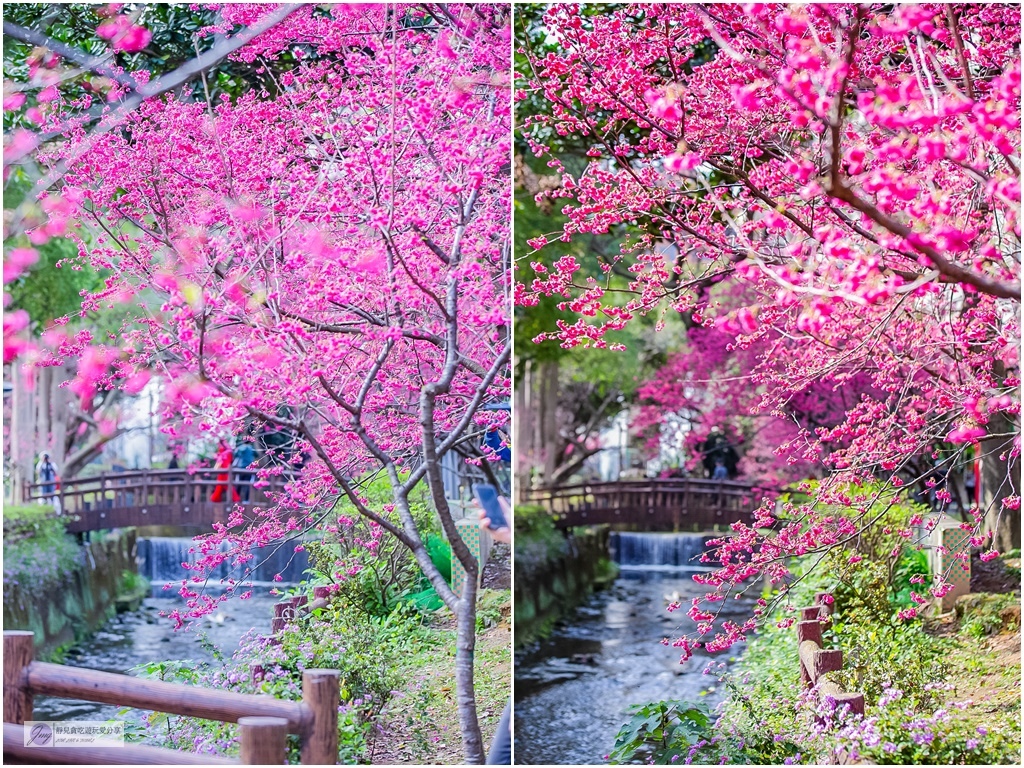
(672, 504)
(155, 497)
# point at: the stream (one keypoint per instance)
(144, 636)
(140, 637)
(572, 689)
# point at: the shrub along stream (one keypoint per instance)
(938, 690)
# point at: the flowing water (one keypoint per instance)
(160, 561)
(140, 637)
(573, 688)
(144, 636)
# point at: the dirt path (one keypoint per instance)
(421, 725)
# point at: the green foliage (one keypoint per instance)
(374, 570)
(536, 539)
(29, 518)
(492, 607)
(132, 583)
(908, 675)
(877, 658)
(912, 562)
(362, 647)
(54, 286)
(661, 733)
(376, 657)
(174, 42)
(440, 552)
(38, 554)
(984, 614)
(872, 574)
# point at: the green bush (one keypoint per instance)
(536, 539)
(660, 733)
(374, 571)
(492, 607)
(904, 672)
(982, 614)
(37, 551)
(132, 583)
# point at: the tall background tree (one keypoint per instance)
(564, 401)
(329, 243)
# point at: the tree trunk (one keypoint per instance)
(522, 435)
(22, 437)
(465, 691)
(536, 424)
(548, 395)
(1000, 477)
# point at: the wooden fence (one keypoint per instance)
(154, 497)
(264, 721)
(669, 503)
(816, 661)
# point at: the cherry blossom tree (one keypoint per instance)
(330, 255)
(854, 171)
(710, 383)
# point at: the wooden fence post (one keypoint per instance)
(807, 630)
(854, 700)
(19, 652)
(812, 613)
(321, 693)
(263, 740)
(827, 661)
(827, 608)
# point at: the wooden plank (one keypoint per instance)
(19, 651)
(320, 694)
(125, 691)
(264, 740)
(15, 752)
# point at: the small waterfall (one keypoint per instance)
(661, 551)
(160, 561)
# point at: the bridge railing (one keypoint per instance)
(172, 496)
(678, 503)
(264, 721)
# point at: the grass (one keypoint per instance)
(420, 724)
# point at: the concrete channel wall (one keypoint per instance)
(548, 587)
(68, 613)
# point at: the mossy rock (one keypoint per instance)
(1010, 616)
(988, 612)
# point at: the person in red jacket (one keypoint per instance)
(224, 457)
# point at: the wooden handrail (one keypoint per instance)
(138, 477)
(154, 496)
(659, 501)
(129, 754)
(667, 483)
(264, 720)
(42, 678)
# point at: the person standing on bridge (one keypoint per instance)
(244, 457)
(46, 471)
(224, 458)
